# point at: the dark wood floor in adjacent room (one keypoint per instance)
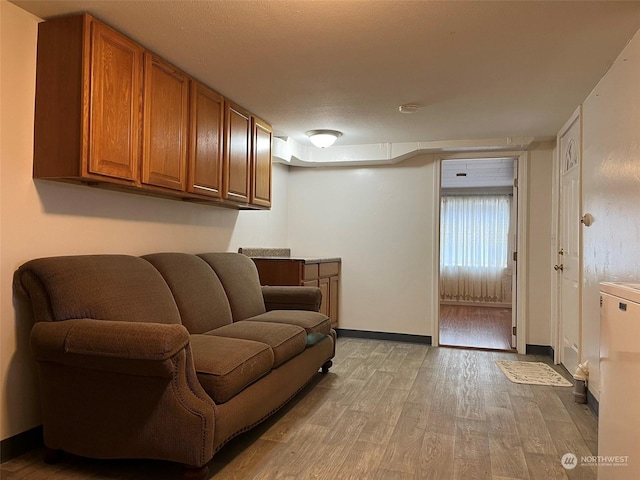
(475, 327)
(388, 411)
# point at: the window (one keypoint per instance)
(474, 230)
(474, 246)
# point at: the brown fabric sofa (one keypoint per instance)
(166, 356)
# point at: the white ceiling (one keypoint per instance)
(478, 69)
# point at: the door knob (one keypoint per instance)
(559, 268)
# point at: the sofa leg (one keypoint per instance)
(195, 473)
(52, 455)
(327, 365)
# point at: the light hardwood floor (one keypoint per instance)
(476, 327)
(389, 411)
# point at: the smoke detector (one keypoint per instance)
(408, 108)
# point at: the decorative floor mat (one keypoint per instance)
(532, 373)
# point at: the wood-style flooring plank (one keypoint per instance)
(531, 426)
(382, 422)
(472, 456)
(545, 466)
(435, 456)
(507, 456)
(403, 451)
(362, 461)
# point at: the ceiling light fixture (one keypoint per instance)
(323, 138)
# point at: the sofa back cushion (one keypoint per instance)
(103, 287)
(201, 300)
(239, 277)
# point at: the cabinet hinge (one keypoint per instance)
(515, 182)
(515, 256)
(514, 330)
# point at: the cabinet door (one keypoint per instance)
(334, 289)
(323, 283)
(237, 150)
(115, 104)
(261, 163)
(166, 103)
(205, 154)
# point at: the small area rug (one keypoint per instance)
(532, 373)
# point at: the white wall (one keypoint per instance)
(379, 220)
(539, 236)
(610, 191)
(42, 218)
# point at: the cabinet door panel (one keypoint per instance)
(205, 157)
(237, 154)
(323, 283)
(334, 288)
(261, 164)
(166, 99)
(116, 83)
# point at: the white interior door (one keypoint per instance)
(568, 266)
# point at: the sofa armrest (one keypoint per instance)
(292, 298)
(114, 389)
(133, 348)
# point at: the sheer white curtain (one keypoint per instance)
(474, 247)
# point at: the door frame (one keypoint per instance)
(520, 297)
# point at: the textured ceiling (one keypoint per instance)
(478, 69)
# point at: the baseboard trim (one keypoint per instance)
(21, 443)
(456, 303)
(593, 403)
(542, 350)
(395, 337)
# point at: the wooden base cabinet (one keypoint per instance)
(110, 113)
(321, 273)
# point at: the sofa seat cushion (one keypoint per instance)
(286, 341)
(226, 366)
(312, 322)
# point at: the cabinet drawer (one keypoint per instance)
(329, 269)
(310, 271)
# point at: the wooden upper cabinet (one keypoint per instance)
(261, 163)
(165, 124)
(206, 149)
(237, 154)
(109, 112)
(114, 109)
(88, 102)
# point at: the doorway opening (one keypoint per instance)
(478, 239)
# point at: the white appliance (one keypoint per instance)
(619, 408)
